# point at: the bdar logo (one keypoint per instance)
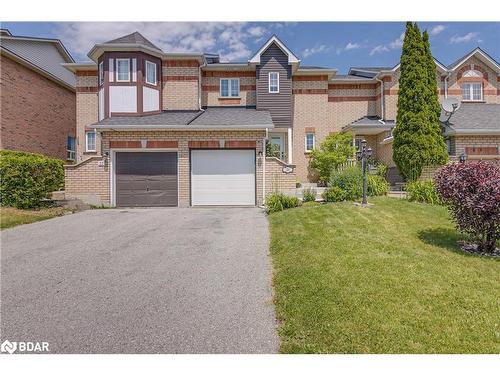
(9, 347)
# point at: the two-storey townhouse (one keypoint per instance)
(168, 129)
(37, 96)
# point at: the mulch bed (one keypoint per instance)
(472, 249)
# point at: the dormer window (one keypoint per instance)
(274, 82)
(472, 91)
(122, 70)
(151, 73)
(230, 87)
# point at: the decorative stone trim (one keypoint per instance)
(125, 144)
(223, 74)
(180, 78)
(351, 98)
(162, 144)
(309, 91)
(352, 86)
(181, 63)
(310, 78)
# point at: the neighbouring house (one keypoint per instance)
(162, 128)
(38, 112)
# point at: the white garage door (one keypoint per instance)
(222, 177)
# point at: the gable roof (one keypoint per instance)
(43, 55)
(475, 118)
(292, 59)
(482, 55)
(134, 38)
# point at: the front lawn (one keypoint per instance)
(385, 279)
(11, 217)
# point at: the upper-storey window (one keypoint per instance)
(122, 70)
(101, 73)
(472, 91)
(150, 73)
(274, 82)
(229, 87)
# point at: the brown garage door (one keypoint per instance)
(146, 179)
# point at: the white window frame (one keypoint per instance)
(71, 154)
(314, 141)
(118, 70)
(277, 83)
(101, 73)
(229, 89)
(87, 149)
(471, 91)
(149, 64)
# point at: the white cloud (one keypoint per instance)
(395, 44)
(351, 45)
(464, 38)
(315, 50)
(230, 40)
(379, 49)
(437, 30)
(398, 43)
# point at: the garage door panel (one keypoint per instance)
(146, 179)
(223, 177)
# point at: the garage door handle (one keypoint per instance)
(147, 188)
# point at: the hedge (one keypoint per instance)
(26, 179)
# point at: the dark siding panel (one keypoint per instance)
(279, 104)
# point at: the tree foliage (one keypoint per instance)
(418, 140)
(472, 193)
(333, 151)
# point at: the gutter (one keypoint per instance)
(446, 84)
(382, 98)
(199, 84)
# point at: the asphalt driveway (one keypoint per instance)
(173, 280)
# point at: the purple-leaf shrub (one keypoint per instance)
(472, 193)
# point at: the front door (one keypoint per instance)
(277, 139)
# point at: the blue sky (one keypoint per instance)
(331, 44)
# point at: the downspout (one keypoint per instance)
(446, 85)
(382, 97)
(264, 143)
(199, 83)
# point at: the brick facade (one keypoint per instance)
(88, 181)
(180, 85)
(319, 105)
(277, 180)
(37, 114)
(80, 176)
(86, 112)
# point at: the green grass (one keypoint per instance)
(384, 279)
(11, 217)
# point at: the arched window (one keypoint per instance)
(472, 90)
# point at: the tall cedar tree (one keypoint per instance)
(418, 141)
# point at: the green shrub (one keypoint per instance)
(423, 191)
(26, 179)
(381, 170)
(349, 181)
(376, 185)
(309, 195)
(278, 202)
(334, 151)
(334, 194)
